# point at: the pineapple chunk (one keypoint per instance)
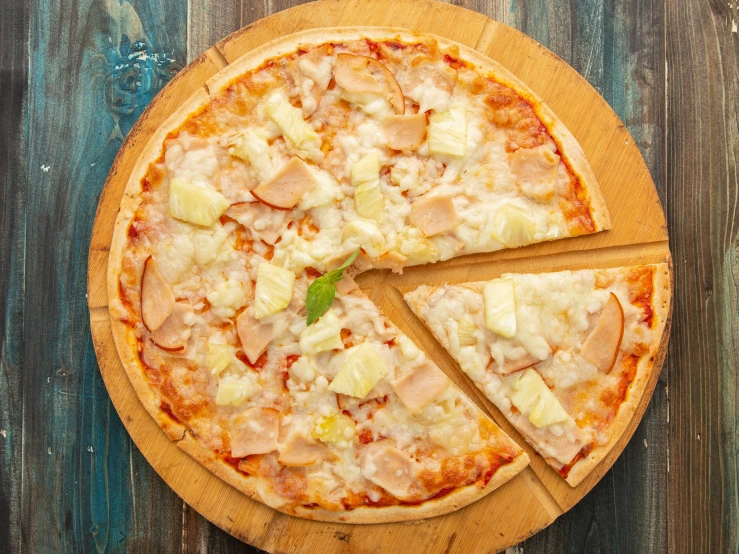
(533, 398)
(500, 307)
(512, 227)
(548, 411)
(274, 289)
(365, 170)
(324, 334)
(368, 200)
(220, 357)
(290, 120)
(251, 146)
(466, 332)
(365, 175)
(447, 132)
(361, 372)
(196, 203)
(417, 248)
(232, 393)
(335, 428)
(423, 252)
(365, 234)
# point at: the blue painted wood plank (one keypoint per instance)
(94, 66)
(13, 67)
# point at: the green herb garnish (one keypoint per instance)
(321, 292)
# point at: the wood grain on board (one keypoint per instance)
(72, 481)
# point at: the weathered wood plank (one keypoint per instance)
(94, 66)
(702, 152)
(208, 22)
(13, 67)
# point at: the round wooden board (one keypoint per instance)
(535, 497)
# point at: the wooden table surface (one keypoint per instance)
(74, 77)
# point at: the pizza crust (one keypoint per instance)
(123, 336)
(455, 500)
(662, 311)
(125, 340)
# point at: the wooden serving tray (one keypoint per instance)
(535, 497)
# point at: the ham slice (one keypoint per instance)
(536, 171)
(434, 215)
(257, 433)
(174, 333)
(346, 285)
(285, 189)
(602, 345)
(157, 298)
(362, 74)
(404, 132)
(309, 77)
(300, 450)
(420, 386)
(254, 336)
(511, 366)
(558, 450)
(381, 389)
(441, 77)
(271, 223)
(389, 260)
(392, 470)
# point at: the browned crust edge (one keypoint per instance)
(123, 336)
(455, 500)
(662, 308)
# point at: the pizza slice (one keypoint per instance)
(564, 356)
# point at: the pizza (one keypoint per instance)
(564, 356)
(375, 146)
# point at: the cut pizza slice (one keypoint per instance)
(564, 356)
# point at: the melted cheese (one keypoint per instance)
(430, 97)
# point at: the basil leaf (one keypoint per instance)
(321, 294)
(322, 291)
(349, 261)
